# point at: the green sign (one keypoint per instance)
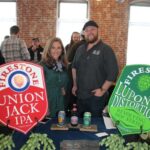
(129, 105)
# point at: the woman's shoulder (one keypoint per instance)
(45, 67)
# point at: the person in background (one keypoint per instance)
(75, 37)
(94, 70)
(56, 77)
(2, 60)
(75, 46)
(70, 98)
(35, 50)
(6, 37)
(14, 48)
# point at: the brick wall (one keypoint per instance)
(37, 18)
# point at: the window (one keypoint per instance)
(7, 18)
(71, 17)
(138, 51)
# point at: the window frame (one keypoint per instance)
(7, 0)
(139, 3)
(142, 3)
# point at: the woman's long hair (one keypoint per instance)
(47, 58)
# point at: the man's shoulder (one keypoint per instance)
(104, 46)
(81, 47)
(30, 49)
(2, 44)
(40, 48)
(16, 40)
(4, 41)
(21, 40)
(67, 46)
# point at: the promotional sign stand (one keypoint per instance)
(130, 138)
(23, 104)
(23, 101)
(141, 128)
(129, 104)
(8, 122)
(36, 119)
(117, 122)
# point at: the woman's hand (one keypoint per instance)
(63, 91)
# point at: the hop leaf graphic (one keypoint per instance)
(144, 82)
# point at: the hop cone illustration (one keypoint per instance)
(144, 83)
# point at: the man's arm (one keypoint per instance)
(101, 91)
(74, 88)
(24, 51)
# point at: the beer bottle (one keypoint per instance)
(74, 117)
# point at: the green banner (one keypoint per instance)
(129, 104)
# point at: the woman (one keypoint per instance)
(56, 78)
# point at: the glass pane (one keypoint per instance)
(73, 10)
(65, 30)
(138, 50)
(72, 18)
(138, 45)
(139, 14)
(7, 18)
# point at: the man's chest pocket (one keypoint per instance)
(95, 59)
(90, 59)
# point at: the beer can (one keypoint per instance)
(61, 118)
(87, 119)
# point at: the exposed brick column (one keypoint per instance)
(36, 18)
(113, 20)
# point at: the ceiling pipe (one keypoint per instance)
(120, 1)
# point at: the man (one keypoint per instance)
(14, 48)
(2, 60)
(75, 37)
(35, 50)
(94, 70)
(75, 46)
(71, 99)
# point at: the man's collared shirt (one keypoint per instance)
(14, 49)
(94, 67)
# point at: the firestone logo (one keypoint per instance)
(19, 81)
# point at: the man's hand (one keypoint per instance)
(74, 89)
(98, 92)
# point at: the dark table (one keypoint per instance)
(59, 136)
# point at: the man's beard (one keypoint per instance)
(93, 40)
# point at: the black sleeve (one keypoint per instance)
(31, 53)
(72, 52)
(78, 53)
(74, 62)
(40, 50)
(2, 60)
